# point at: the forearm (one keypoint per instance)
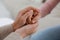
(47, 7)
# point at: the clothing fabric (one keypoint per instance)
(48, 34)
(13, 36)
(6, 33)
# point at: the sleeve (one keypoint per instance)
(13, 36)
(5, 31)
(47, 7)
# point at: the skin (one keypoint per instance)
(26, 22)
(43, 11)
(21, 20)
(32, 17)
(27, 30)
(47, 7)
(26, 16)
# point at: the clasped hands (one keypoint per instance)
(26, 21)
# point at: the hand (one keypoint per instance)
(21, 19)
(27, 30)
(35, 17)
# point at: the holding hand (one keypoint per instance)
(26, 16)
(21, 19)
(27, 30)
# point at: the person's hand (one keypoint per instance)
(35, 17)
(27, 30)
(21, 19)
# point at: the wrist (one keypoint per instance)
(14, 26)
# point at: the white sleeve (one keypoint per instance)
(13, 36)
(5, 31)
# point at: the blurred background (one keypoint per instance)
(12, 8)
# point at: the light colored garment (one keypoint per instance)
(13, 36)
(7, 33)
(52, 33)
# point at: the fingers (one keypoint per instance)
(27, 14)
(31, 28)
(36, 15)
(27, 30)
(36, 18)
(28, 9)
(25, 10)
(30, 18)
(22, 12)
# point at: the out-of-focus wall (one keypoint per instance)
(4, 13)
(16, 5)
